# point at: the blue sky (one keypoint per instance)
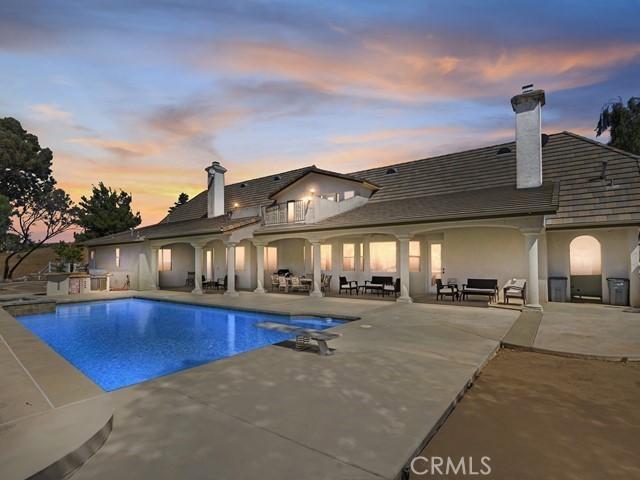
(143, 95)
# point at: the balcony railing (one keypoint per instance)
(287, 212)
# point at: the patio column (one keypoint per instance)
(404, 270)
(231, 270)
(317, 272)
(197, 248)
(153, 267)
(634, 268)
(533, 288)
(260, 269)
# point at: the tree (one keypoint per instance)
(106, 212)
(5, 214)
(623, 124)
(22, 161)
(68, 253)
(35, 204)
(43, 206)
(182, 199)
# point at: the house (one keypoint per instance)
(544, 206)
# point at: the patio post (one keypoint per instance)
(404, 270)
(533, 287)
(153, 267)
(197, 247)
(231, 270)
(317, 272)
(260, 267)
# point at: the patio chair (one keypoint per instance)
(326, 284)
(449, 290)
(297, 285)
(347, 285)
(393, 289)
(283, 284)
(274, 281)
(191, 279)
(515, 288)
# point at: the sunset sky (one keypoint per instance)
(144, 94)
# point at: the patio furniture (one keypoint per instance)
(480, 286)
(274, 281)
(393, 289)
(303, 335)
(283, 272)
(297, 285)
(377, 283)
(326, 283)
(283, 283)
(191, 279)
(515, 288)
(224, 284)
(449, 290)
(347, 285)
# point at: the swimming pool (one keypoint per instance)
(118, 343)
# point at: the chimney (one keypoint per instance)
(527, 106)
(215, 189)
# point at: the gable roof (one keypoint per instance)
(572, 161)
(328, 173)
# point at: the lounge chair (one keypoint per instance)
(515, 288)
(275, 283)
(449, 290)
(347, 285)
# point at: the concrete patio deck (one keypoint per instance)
(580, 329)
(278, 413)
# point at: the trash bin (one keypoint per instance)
(618, 291)
(557, 289)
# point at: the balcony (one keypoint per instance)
(288, 212)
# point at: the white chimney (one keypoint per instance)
(527, 106)
(215, 189)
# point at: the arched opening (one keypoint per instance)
(585, 260)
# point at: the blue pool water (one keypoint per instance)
(118, 343)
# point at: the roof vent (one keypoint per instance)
(391, 171)
(243, 185)
(503, 150)
(276, 178)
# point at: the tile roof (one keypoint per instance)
(463, 180)
(219, 224)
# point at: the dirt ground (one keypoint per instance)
(545, 417)
(33, 263)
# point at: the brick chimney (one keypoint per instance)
(528, 106)
(215, 189)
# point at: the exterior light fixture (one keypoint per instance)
(235, 205)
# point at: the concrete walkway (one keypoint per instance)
(589, 330)
(277, 413)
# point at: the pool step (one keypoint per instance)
(54, 443)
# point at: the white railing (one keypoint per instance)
(287, 212)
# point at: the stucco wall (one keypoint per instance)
(105, 258)
(322, 184)
(182, 261)
(484, 253)
(616, 249)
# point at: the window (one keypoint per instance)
(239, 259)
(117, 257)
(209, 266)
(349, 194)
(362, 257)
(325, 257)
(414, 256)
(271, 259)
(164, 259)
(348, 257)
(382, 256)
(584, 256)
(436, 262)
